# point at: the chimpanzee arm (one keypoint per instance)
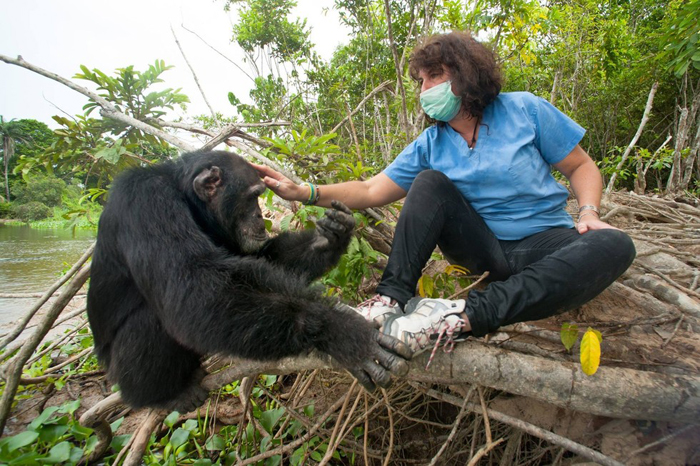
(311, 253)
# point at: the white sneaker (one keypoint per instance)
(426, 322)
(378, 309)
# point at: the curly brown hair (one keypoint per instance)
(475, 72)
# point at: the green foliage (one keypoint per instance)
(264, 24)
(311, 155)
(356, 264)
(32, 211)
(6, 210)
(53, 437)
(97, 149)
(271, 101)
(131, 93)
(44, 189)
(681, 39)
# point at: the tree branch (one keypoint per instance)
(108, 110)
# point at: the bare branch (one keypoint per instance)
(526, 427)
(642, 124)
(377, 89)
(196, 80)
(227, 58)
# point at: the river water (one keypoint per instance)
(31, 260)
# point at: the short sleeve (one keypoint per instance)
(556, 134)
(410, 162)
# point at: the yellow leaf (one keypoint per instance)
(456, 268)
(590, 352)
(426, 286)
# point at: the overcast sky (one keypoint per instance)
(59, 36)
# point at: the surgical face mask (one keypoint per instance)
(439, 103)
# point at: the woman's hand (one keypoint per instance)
(280, 184)
(591, 222)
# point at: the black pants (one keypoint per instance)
(539, 276)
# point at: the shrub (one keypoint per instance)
(5, 210)
(44, 189)
(32, 211)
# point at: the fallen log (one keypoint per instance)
(612, 391)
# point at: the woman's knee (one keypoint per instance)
(617, 244)
(432, 179)
(432, 184)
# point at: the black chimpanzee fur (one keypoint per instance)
(183, 268)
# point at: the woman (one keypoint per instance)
(478, 184)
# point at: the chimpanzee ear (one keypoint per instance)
(207, 183)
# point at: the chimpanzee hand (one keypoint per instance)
(334, 229)
(387, 355)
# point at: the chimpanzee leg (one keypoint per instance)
(154, 370)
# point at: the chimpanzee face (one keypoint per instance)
(241, 215)
(231, 190)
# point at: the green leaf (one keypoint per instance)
(80, 432)
(269, 418)
(119, 441)
(42, 418)
(171, 419)
(590, 352)
(569, 335)
(70, 407)
(51, 434)
(426, 286)
(27, 459)
(116, 424)
(216, 442)
(309, 410)
(179, 437)
(21, 440)
(58, 454)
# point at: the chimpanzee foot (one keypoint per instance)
(189, 399)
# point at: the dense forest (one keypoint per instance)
(627, 71)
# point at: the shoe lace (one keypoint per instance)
(448, 330)
(366, 305)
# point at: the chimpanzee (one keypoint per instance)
(183, 267)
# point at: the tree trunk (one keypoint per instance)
(8, 149)
(399, 74)
(685, 124)
(689, 163)
(642, 124)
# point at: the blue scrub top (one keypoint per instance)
(507, 176)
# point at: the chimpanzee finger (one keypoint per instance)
(377, 373)
(337, 205)
(391, 362)
(333, 226)
(344, 219)
(394, 345)
(363, 378)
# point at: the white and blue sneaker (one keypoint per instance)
(378, 309)
(425, 323)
